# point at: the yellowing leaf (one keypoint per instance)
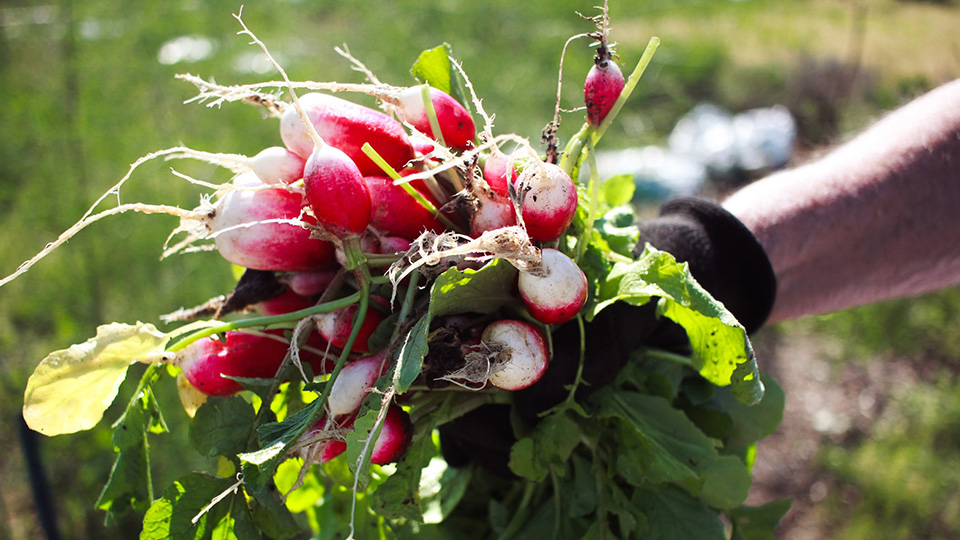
(190, 397)
(71, 388)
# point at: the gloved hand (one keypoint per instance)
(724, 257)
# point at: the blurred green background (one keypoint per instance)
(88, 87)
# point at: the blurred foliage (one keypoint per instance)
(906, 476)
(85, 95)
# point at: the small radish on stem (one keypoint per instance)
(347, 126)
(354, 383)
(604, 81)
(273, 165)
(557, 292)
(521, 354)
(252, 228)
(457, 129)
(549, 198)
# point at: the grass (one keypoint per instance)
(85, 108)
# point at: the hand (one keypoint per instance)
(723, 256)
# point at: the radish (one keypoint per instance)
(549, 201)
(393, 244)
(273, 165)
(336, 192)
(354, 383)
(309, 282)
(456, 125)
(327, 449)
(494, 210)
(276, 164)
(558, 295)
(346, 125)
(521, 353)
(395, 435)
(397, 213)
(286, 302)
(499, 172)
(602, 87)
(235, 354)
(266, 246)
(335, 327)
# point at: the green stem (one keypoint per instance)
(520, 517)
(570, 159)
(264, 321)
(627, 88)
(593, 188)
(431, 114)
(407, 305)
(660, 354)
(572, 154)
(394, 175)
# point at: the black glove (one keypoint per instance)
(723, 256)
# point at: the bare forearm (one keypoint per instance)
(875, 219)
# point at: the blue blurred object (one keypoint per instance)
(706, 144)
(736, 146)
(657, 172)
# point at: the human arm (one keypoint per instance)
(877, 218)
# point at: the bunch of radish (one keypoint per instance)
(340, 227)
(350, 192)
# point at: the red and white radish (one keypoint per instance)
(354, 383)
(398, 213)
(395, 436)
(336, 192)
(602, 87)
(559, 294)
(273, 165)
(244, 241)
(347, 125)
(235, 354)
(277, 164)
(499, 172)
(522, 355)
(456, 124)
(549, 201)
(494, 210)
(335, 326)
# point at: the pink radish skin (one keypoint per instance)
(354, 383)
(396, 212)
(550, 201)
(277, 165)
(347, 126)
(337, 193)
(287, 302)
(394, 439)
(525, 350)
(267, 246)
(602, 88)
(499, 172)
(336, 326)
(310, 282)
(204, 362)
(456, 124)
(557, 297)
(393, 244)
